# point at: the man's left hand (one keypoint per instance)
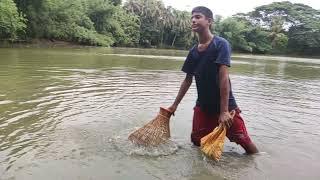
(226, 118)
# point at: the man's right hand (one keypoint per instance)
(172, 108)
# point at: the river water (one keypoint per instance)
(65, 113)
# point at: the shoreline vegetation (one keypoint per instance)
(279, 28)
(44, 43)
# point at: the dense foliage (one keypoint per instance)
(279, 27)
(12, 23)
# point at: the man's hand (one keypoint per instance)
(172, 108)
(226, 118)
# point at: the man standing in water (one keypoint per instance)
(208, 62)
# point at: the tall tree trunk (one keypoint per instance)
(174, 39)
(162, 38)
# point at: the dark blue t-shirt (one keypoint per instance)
(205, 67)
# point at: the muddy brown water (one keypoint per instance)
(65, 114)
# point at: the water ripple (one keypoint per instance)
(66, 113)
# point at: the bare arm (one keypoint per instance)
(225, 118)
(186, 83)
(224, 88)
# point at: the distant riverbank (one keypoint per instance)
(45, 43)
(38, 43)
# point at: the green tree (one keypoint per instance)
(301, 24)
(279, 27)
(181, 26)
(234, 31)
(278, 38)
(167, 23)
(160, 26)
(101, 13)
(63, 20)
(258, 39)
(11, 22)
(116, 2)
(151, 16)
(304, 40)
(127, 33)
(216, 27)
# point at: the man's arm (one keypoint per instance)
(224, 88)
(225, 116)
(186, 83)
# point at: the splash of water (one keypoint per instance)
(122, 144)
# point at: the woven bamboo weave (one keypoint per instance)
(155, 132)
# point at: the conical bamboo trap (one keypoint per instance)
(155, 132)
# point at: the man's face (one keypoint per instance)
(200, 22)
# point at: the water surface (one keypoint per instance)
(62, 111)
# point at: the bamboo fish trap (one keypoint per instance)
(155, 132)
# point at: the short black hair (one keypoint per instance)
(203, 10)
